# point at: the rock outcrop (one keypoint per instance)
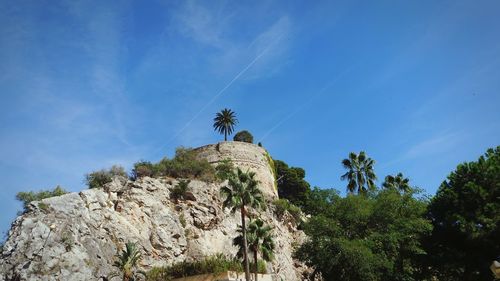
(77, 236)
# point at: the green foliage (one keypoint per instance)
(185, 164)
(466, 216)
(272, 166)
(179, 191)
(28, 197)
(243, 136)
(224, 122)
(242, 192)
(213, 264)
(182, 220)
(360, 174)
(283, 205)
(366, 237)
(224, 169)
(99, 178)
(260, 242)
(143, 169)
(291, 183)
(398, 182)
(127, 261)
(43, 206)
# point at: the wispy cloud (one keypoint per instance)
(208, 28)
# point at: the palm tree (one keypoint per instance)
(224, 122)
(360, 174)
(398, 182)
(259, 240)
(127, 261)
(241, 192)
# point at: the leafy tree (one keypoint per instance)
(28, 197)
(241, 192)
(398, 182)
(99, 178)
(291, 183)
(243, 136)
(360, 174)
(127, 262)
(260, 241)
(466, 216)
(224, 122)
(366, 237)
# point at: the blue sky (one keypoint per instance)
(85, 85)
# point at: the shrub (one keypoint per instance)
(243, 136)
(143, 169)
(213, 264)
(28, 197)
(99, 178)
(179, 191)
(186, 165)
(224, 170)
(283, 205)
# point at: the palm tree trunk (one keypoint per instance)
(245, 245)
(256, 265)
(225, 135)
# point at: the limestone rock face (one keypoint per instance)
(77, 236)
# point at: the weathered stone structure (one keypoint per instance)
(246, 156)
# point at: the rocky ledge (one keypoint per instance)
(77, 236)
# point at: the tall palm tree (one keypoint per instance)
(224, 122)
(360, 174)
(259, 240)
(127, 262)
(241, 192)
(398, 182)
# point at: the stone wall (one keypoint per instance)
(246, 156)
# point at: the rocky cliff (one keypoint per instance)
(77, 236)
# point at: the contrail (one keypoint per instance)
(304, 105)
(220, 92)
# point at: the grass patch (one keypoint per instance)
(210, 265)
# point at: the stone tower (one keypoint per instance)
(246, 156)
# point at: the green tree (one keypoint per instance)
(242, 192)
(243, 136)
(291, 183)
(398, 182)
(366, 237)
(224, 122)
(360, 174)
(260, 241)
(466, 216)
(127, 262)
(28, 197)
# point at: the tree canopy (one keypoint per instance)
(243, 136)
(224, 122)
(362, 237)
(466, 216)
(291, 183)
